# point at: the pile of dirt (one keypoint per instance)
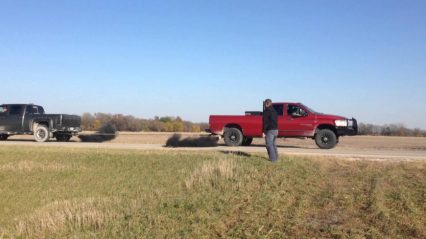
(105, 133)
(202, 141)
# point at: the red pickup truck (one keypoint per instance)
(295, 120)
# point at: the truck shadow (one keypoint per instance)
(278, 146)
(236, 153)
(21, 140)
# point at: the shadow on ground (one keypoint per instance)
(278, 146)
(237, 153)
(176, 140)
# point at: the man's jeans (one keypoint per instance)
(270, 138)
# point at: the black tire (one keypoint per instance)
(41, 133)
(233, 137)
(247, 141)
(3, 137)
(63, 137)
(326, 139)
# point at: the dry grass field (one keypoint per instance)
(54, 192)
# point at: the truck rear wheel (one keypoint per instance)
(41, 133)
(326, 139)
(3, 137)
(233, 137)
(247, 141)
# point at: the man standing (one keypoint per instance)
(270, 130)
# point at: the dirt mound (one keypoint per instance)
(105, 133)
(202, 141)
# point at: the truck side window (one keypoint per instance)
(34, 110)
(295, 111)
(15, 110)
(279, 109)
(40, 110)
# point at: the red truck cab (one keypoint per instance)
(295, 120)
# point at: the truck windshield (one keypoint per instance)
(310, 110)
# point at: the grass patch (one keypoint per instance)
(87, 193)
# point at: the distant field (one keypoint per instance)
(103, 193)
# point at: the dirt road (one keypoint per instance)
(358, 147)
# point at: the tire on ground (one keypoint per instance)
(233, 137)
(326, 139)
(247, 141)
(41, 133)
(3, 137)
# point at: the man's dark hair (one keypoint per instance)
(267, 102)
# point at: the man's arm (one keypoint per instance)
(265, 120)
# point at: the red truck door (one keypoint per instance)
(297, 121)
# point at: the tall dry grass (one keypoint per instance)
(31, 165)
(78, 214)
(211, 172)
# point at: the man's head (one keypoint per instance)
(268, 103)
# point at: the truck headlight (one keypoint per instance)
(341, 123)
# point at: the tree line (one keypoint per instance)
(389, 130)
(130, 123)
(176, 124)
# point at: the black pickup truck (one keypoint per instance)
(30, 119)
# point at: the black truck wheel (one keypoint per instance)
(326, 139)
(63, 137)
(3, 137)
(41, 133)
(247, 141)
(233, 137)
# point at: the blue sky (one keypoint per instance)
(365, 59)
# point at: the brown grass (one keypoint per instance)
(211, 172)
(30, 165)
(79, 214)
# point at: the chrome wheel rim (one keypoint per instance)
(41, 134)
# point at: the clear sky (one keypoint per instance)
(365, 59)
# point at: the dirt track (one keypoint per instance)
(358, 147)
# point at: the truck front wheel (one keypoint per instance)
(41, 133)
(233, 137)
(3, 137)
(326, 139)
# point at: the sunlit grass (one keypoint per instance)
(87, 193)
